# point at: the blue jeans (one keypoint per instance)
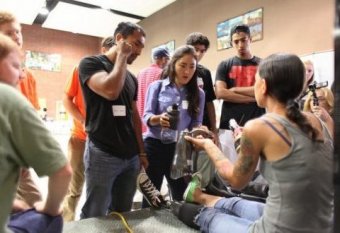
(110, 182)
(229, 215)
(31, 221)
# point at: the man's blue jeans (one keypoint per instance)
(31, 221)
(229, 215)
(110, 182)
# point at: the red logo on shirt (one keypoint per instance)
(243, 76)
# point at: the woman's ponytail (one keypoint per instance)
(295, 115)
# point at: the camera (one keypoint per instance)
(312, 87)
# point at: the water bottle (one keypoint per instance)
(236, 130)
(170, 135)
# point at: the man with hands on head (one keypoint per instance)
(114, 147)
(74, 104)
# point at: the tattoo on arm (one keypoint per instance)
(246, 160)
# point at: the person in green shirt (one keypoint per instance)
(26, 143)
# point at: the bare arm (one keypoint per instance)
(237, 175)
(72, 109)
(248, 91)
(212, 116)
(325, 117)
(246, 163)
(57, 188)
(19, 205)
(322, 113)
(222, 92)
(138, 131)
(110, 85)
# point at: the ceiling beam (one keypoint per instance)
(83, 4)
(51, 4)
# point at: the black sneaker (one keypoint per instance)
(149, 191)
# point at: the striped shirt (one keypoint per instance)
(145, 77)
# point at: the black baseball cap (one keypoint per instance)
(160, 52)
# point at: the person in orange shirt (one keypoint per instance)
(27, 86)
(27, 192)
(75, 106)
(10, 26)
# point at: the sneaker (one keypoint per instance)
(195, 183)
(149, 191)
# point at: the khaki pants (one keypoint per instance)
(76, 148)
(27, 190)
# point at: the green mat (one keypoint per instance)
(140, 221)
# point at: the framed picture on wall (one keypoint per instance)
(43, 61)
(254, 19)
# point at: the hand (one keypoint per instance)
(199, 142)
(124, 47)
(320, 112)
(42, 208)
(237, 133)
(19, 205)
(164, 120)
(144, 162)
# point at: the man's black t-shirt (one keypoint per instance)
(204, 74)
(236, 72)
(111, 133)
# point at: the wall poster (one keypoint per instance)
(254, 19)
(43, 61)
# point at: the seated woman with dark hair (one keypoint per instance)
(295, 153)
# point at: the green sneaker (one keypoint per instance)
(195, 183)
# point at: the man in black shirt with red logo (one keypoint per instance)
(235, 78)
